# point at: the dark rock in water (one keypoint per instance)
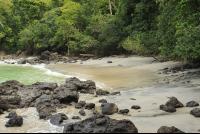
(82, 86)
(174, 103)
(11, 114)
(23, 61)
(167, 108)
(109, 61)
(56, 119)
(195, 112)
(101, 124)
(192, 104)
(80, 104)
(123, 111)
(103, 101)
(76, 117)
(114, 93)
(109, 108)
(45, 106)
(66, 93)
(165, 129)
(135, 107)
(14, 121)
(102, 92)
(82, 112)
(132, 99)
(90, 106)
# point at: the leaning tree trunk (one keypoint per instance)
(1, 24)
(110, 7)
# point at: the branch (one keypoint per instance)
(1, 24)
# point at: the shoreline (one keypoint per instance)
(149, 96)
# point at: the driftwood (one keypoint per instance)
(89, 55)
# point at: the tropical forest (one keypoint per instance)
(169, 29)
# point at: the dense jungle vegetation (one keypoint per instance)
(168, 28)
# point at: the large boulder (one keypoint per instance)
(195, 112)
(10, 87)
(165, 129)
(66, 93)
(173, 101)
(82, 86)
(101, 124)
(45, 106)
(56, 119)
(14, 121)
(109, 108)
(29, 96)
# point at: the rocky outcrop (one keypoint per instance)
(165, 129)
(45, 107)
(109, 108)
(82, 86)
(195, 112)
(101, 124)
(66, 93)
(192, 104)
(14, 121)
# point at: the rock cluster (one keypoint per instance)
(14, 120)
(101, 124)
(171, 105)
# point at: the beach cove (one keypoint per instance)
(135, 77)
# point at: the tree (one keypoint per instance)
(68, 20)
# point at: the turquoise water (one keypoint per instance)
(30, 74)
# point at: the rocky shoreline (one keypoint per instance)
(47, 97)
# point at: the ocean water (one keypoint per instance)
(28, 74)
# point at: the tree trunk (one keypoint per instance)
(68, 45)
(110, 7)
(1, 24)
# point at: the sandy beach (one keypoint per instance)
(137, 77)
